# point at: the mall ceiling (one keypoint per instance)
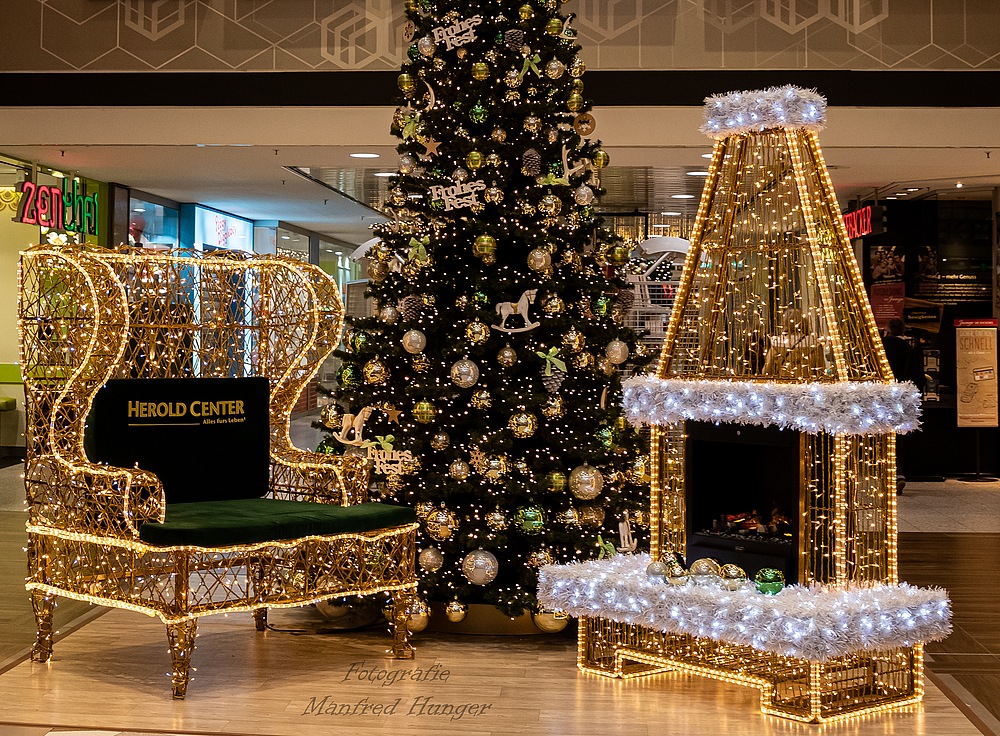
(294, 165)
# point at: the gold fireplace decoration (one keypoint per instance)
(90, 315)
(771, 296)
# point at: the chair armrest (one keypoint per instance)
(85, 498)
(298, 475)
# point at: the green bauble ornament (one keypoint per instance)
(347, 376)
(478, 113)
(526, 12)
(617, 255)
(601, 306)
(530, 519)
(575, 102)
(769, 580)
(553, 27)
(605, 436)
(406, 83)
(413, 52)
(601, 159)
(424, 412)
(480, 299)
(358, 341)
(480, 70)
(555, 482)
(474, 160)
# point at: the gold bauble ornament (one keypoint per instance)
(605, 366)
(375, 372)
(553, 27)
(512, 79)
(407, 83)
(456, 611)
(377, 270)
(555, 407)
(485, 247)
(583, 361)
(440, 440)
(549, 205)
(592, 515)
(601, 159)
(421, 363)
(523, 424)
(554, 69)
(573, 340)
(526, 12)
(532, 123)
(397, 196)
(575, 102)
(540, 558)
(507, 357)
(418, 615)
(705, 567)
(424, 509)
(555, 481)
(577, 68)
(480, 70)
(577, 85)
(459, 469)
(550, 622)
(477, 332)
(389, 314)
(499, 135)
(554, 305)
(481, 399)
(332, 416)
(493, 194)
(474, 160)
(734, 577)
(496, 467)
(424, 412)
(569, 517)
(497, 520)
(617, 255)
(637, 470)
(441, 524)
(394, 482)
(676, 574)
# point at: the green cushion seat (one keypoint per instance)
(253, 520)
(8, 403)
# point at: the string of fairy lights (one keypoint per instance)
(488, 380)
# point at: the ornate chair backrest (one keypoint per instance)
(87, 316)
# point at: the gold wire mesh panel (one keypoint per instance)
(794, 688)
(771, 290)
(87, 316)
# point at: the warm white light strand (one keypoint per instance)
(756, 110)
(843, 408)
(814, 623)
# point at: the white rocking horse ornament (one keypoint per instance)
(353, 425)
(520, 308)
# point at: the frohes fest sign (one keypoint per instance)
(68, 208)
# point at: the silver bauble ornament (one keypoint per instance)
(583, 195)
(656, 571)
(616, 351)
(464, 373)
(456, 611)
(480, 567)
(414, 341)
(551, 622)
(431, 559)
(440, 440)
(389, 315)
(585, 482)
(459, 469)
(539, 259)
(426, 46)
(507, 356)
(407, 163)
(418, 615)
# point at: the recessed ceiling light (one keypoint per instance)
(138, 209)
(706, 155)
(913, 189)
(671, 214)
(60, 175)
(338, 253)
(364, 155)
(697, 173)
(286, 237)
(682, 196)
(890, 197)
(958, 185)
(901, 194)
(385, 173)
(328, 250)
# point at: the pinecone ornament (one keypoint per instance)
(531, 163)
(554, 381)
(514, 38)
(625, 298)
(409, 307)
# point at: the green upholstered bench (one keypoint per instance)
(8, 403)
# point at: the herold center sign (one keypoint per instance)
(68, 208)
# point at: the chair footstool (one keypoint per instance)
(181, 636)
(43, 605)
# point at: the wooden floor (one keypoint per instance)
(109, 674)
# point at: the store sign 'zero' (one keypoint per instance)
(71, 210)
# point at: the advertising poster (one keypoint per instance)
(887, 302)
(976, 372)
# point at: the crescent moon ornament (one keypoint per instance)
(433, 101)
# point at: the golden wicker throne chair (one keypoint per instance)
(111, 535)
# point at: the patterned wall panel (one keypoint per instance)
(291, 35)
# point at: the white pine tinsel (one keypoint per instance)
(842, 408)
(812, 623)
(756, 110)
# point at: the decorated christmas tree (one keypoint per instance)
(486, 388)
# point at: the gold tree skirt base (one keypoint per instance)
(482, 619)
(815, 692)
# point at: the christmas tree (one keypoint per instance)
(486, 388)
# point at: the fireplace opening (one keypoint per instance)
(743, 496)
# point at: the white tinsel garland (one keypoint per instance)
(848, 407)
(755, 110)
(812, 623)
